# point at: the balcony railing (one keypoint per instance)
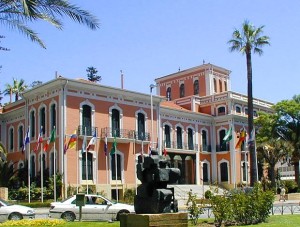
(87, 130)
(142, 136)
(206, 148)
(222, 147)
(125, 134)
(181, 146)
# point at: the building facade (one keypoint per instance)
(185, 121)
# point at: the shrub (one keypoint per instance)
(208, 194)
(129, 195)
(193, 208)
(243, 207)
(290, 186)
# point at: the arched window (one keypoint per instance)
(196, 87)
(246, 111)
(20, 136)
(32, 124)
(52, 116)
(190, 139)
(43, 161)
(43, 119)
(255, 113)
(204, 140)
(179, 137)
(181, 90)
(224, 171)
(215, 85)
(51, 172)
(167, 136)
(87, 120)
(115, 122)
(220, 85)
(116, 173)
(168, 95)
(221, 110)
(222, 145)
(225, 86)
(11, 139)
(87, 166)
(205, 172)
(141, 126)
(238, 109)
(32, 166)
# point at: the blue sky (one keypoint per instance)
(149, 39)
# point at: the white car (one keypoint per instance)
(15, 212)
(96, 207)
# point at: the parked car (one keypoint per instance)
(96, 207)
(15, 212)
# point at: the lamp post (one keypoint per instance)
(151, 100)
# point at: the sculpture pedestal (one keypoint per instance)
(154, 220)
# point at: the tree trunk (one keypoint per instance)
(252, 149)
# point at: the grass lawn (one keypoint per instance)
(273, 221)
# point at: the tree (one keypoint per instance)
(246, 41)
(17, 88)
(92, 74)
(289, 120)
(16, 13)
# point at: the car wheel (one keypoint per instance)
(15, 216)
(121, 212)
(68, 216)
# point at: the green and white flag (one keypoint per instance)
(228, 136)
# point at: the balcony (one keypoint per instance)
(87, 130)
(181, 146)
(126, 135)
(222, 147)
(206, 148)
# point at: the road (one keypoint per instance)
(279, 208)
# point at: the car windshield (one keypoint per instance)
(3, 202)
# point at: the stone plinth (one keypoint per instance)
(154, 220)
(4, 193)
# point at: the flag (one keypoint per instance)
(105, 146)
(228, 136)
(40, 140)
(51, 139)
(165, 152)
(241, 139)
(26, 140)
(114, 148)
(251, 137)
(92, 141)
(71, 143)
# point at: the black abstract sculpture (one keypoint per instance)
(153, 196)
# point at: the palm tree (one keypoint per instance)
(17, 88)
(8, 91)
(16, 13)
(246, 41)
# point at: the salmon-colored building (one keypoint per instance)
(185, 121)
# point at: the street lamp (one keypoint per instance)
(151, 88)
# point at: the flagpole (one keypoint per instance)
(97, 159)
(42, 173)
(106, 165)
(77, 161)
(116, 166)
(54, 167)
(86, 169)
(28, 154)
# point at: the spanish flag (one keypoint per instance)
(241, 139)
